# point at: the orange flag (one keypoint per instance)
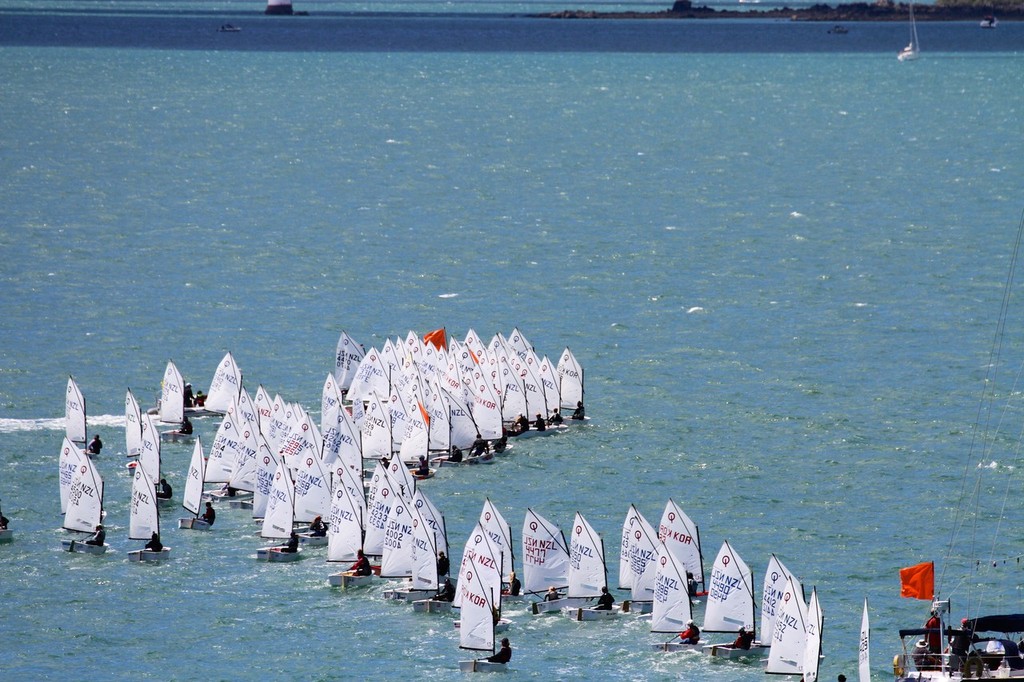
(918, 582)
(437, 338)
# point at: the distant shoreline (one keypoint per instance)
(859, 11)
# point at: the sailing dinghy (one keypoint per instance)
(144, 518)
(671, 610)
(637, 555)
(731, 604)
(194, 490)
(480, 602)
(586, 575)
(279, 522)
(84, 507)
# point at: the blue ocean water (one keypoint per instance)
(780, 267)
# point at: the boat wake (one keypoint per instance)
(56, 424)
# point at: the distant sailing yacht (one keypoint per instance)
(913, 50)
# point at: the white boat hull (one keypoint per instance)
(240, 504)
(176, 437)
(673, 646)
(408, 594)
(533, 433)
(431, 606)
(277, 554)
(215, 495)
(149, 555)
(589, 615)
(728, 651)
(6, 535)
(346, 580)
(81, 546)
(559, 604)
(308, 540)
(637, 607)
(193, 523)
(482, 667)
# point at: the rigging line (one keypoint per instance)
(981, 429)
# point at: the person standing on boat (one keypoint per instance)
(95, 445)
(209, 515)
(934, 627)
(163, 490)
(98, 538)
(744, 638)
(188, 397)
(605, 601)
(504, 654)
(186, 426)
(200, 399)
(443, 565)
(691, 635)
(361, 566)
(154, 544)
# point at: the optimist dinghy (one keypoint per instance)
(84, 506)
(480, 585)
(671, 609)
(587, 572)
(194, 490)
(144, 518)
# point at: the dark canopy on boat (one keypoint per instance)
(1013, 622)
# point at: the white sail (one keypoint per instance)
(224, 451)
(132, 425)
(500, 533)
(730, 603)
(812, 648)
(462, 428)
(424, 553)
(396, 558)
(549, 384)
(195, 478)
(243, 471)
(246, 410)
(776, 578)
(481, 553)
(172, 395)
(149, 457)
(864, 650)
(478, 597)
(67, 464)
(587, 574)
(434, 519)
(405, 484)
(74, 413)
(681, 535)
(264, 408)
(225, 385)
(486, 405)
(372, 376)
(345, 521)
(671, 607)
(144, 518)
(347, 357)
(85, 498)
(639, 549)
(376, 429)
(279, 517)
(276, 426)
(510, 386)
(266, 466)
(312, 489)
(545, 554)
(416, 442)
(789, 638)
(570, 379)
(379, 502)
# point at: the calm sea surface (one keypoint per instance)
(781, 267)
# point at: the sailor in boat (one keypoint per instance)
(555, 418)
(579, 412)
(447, 591)
(292, 546)
(443, 565)
(361, 566)
(455, 456)
(164, 490)
(209, 515)
(3, 522)
(479, 447)
(318, 529)
(515, 586)
(188, 397)
(691, 635)
(154, 544)
(605, 601)
(186, 427)
(423, 468)
(99, 537)
(691, 584)
(744, 638)
(500, 444)
(504, 654)
(520, 425)
(540, 424)
(200, 399)
(95, 445)
(552, 595)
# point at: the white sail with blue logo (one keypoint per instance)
(789, 638)
(347, 356)
(638, 550)
(74, 413)
(587, 571)
(225, 385)
(682, 536)
(346, 518)
(776, 576)
(730, 604)
(67, 465)
(671, 609)
(172, 395)
(132, 425)
(280, 513)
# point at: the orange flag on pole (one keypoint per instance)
(918, 582)
(436, 337)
